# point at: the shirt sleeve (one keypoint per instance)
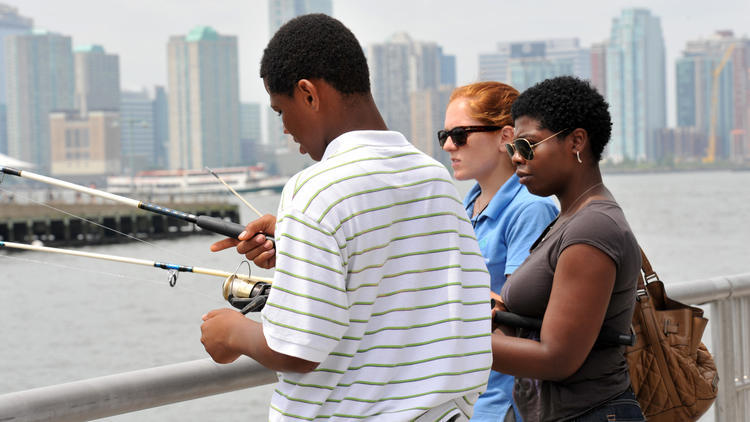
(596, 229)
(527, 225)
(307, 311)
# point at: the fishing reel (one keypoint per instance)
(245, 295)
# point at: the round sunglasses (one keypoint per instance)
(459, 134)
(526, 148)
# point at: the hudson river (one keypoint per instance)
(68, 318)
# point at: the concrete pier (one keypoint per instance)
(64, 225)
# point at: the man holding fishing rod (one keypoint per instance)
(379, 303)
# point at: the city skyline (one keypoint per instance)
(464, 30)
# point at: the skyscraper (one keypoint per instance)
(11, 23)
(524, 63)
(400, 67)
(39, 74)
(97, 76)
(161, 128)
(138, 144)
(599, 67)
(204, 105)
(250, 133)
(636, 85)
(280, 11)
(716, 69)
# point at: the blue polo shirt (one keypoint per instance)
(506, 229)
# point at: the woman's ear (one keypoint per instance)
(506, 136)
(579, 140)
(507, 133)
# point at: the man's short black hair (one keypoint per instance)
(315, 46)
(566, 102)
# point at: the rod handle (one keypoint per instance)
(227, 228)
(607, 337)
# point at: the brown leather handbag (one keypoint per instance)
(672, 372)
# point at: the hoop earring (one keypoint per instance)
(578, 156)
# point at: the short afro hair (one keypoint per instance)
(315, 46)
(566, 102)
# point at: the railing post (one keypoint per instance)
(724, 353)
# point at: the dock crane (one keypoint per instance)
(711, 150)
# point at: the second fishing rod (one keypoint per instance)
(212, 224)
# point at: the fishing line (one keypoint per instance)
(105, 273)
(175, 253)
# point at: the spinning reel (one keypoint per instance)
(247, 296)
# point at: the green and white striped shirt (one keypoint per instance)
(380, 279)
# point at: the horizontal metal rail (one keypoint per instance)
(131, 391)
(110, 395)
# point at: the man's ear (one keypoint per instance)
(309, 92)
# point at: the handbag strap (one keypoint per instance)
(648, 273)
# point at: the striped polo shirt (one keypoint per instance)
(380, 279)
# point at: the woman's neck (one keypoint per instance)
(580, 191)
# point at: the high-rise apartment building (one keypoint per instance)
(11, 23)
(400, 67)
(39, 75)
(279, 12)
(636, 85)
(204, 105)
(524, 63)
(161, 128)
(250, 145)
(599, 67)
(137, 127)
(713, 93)
(97, 76)
(427, 117)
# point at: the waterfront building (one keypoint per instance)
(522, 64)
(39, 76)
(285, 150)
(204, 105)
(97, 79)
(84, 149)
(427, 117)
(250, 134)
(161, 128)
(11, 23)
(713, 93)
(599, 67)
(400, 67)
(137, 129)
(636, 85)
(679, 145)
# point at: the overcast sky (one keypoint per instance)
(138, 30)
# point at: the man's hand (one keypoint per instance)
(220, 331)
(252, 243)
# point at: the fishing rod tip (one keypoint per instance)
(211, 171)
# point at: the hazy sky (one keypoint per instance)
(138, 30)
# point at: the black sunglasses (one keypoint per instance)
(459, 133)
(526, 148)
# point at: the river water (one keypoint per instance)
(67, 318)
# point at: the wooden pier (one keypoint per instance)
(59, 224)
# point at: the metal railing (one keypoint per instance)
(729, 313)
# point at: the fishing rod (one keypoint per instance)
(242, 291)
(212, 224)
